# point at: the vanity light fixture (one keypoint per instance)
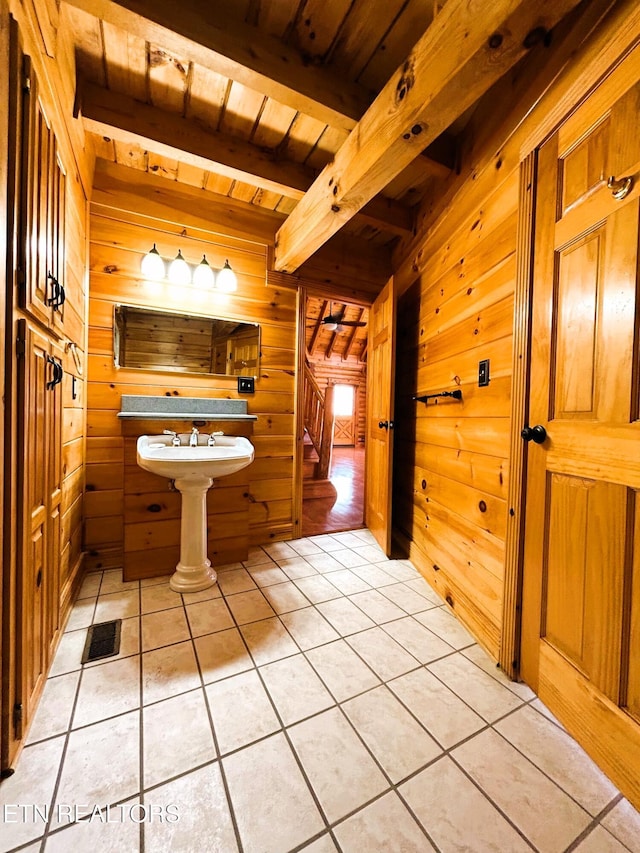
(152, 266)
(180, 272)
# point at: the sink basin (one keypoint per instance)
(193, 470)
(228, 455)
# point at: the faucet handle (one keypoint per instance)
(175, 440)
(212, 437)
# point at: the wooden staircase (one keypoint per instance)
(318, 438)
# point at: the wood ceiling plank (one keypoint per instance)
(125, 62)
(452, 65)
(317, 327)
(90, 59)
(210, 37)
(301, 139)
(168, 75)
(274, 124)
(353, 335)
(241, 111)
(170, 135)
(275, 18)
(207, 96)
(192, 175)
(358, 40)
(318, 25)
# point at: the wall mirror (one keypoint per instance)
(149, 339)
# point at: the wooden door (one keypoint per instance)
(344, 424)
(379, 441)
(54, 495)
(36, 372)
(581, 604)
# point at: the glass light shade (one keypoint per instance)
(152, 265)
(226, 279)
(179, 272)
(331, 327)
(203, 274)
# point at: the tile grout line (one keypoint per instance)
(595, 822)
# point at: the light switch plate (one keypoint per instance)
(246, 385)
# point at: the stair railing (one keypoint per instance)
(319, 420)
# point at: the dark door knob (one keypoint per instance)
(383, 425)
(537, 434)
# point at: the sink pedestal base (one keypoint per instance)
(194, 572)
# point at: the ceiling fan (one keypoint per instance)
(336, 322)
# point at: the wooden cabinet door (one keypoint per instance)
(42, 260)
(379, 435)
(40, 496)
(581, 605)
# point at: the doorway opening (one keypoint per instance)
(334, 415)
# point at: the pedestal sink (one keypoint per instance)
(193, 470)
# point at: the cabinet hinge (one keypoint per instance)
(17, 719)
(26, 83)
(21, 347)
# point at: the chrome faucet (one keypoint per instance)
(193, 440)
(175, 441)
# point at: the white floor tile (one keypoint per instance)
(284, 597)
(268, 640)
(324, 562)
(623, 821)
(490, 666)
(204, 819)
(406, 598)
(446, 626)
(296, 567)
(204, 595)
(345, 617)
(176, 736)
(241, 711)
(102, 762)
(308, 628)
(267, 575)
(107, 690)
(440, 711)
(420, 586)
(375, 576)
(222, 654)
(397, 740)
(118, 832)
(342, 670)
(159, 597)
(348, 539)
(416, 639)
(317, 588)
(560, 757)
(82, 614)
(279, 551)
(347, 582)
(238, 580)
(249, 607)
(327, 542)
(32, 784)
(385, 657)
(90, 585)
(321, 845)
(305, 546)
(56, 704)
(295, 689)
(274, 808)
(349, 558)
(112, 582)
(341, 771)
(550, 820)
(256, 557)
(456, 815)
(376, 606)
(164, 628)
(384, 826)
(168, 672)
(371, 553)
(117, 605)
(69, 654)
(481, 692)
(600, 841)
(205, 617)
(400, 570)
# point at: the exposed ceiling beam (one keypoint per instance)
(467, 48)
(207, 34)
(317, 328)
(124, 119)
(352, 337)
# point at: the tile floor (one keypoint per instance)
(319, 698)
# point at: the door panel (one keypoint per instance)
(581, 619)
(379, 443)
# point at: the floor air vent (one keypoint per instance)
(103, 641)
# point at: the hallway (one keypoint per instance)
(319, 698)
(345, 511)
